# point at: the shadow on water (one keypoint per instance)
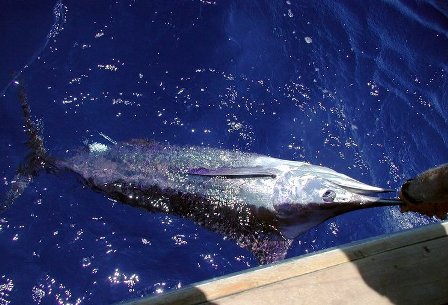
(185, 296)
(406, 268)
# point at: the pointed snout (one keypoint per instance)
(370, 201)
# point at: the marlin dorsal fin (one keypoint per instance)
(234, 172)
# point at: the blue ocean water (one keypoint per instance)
(357, 86)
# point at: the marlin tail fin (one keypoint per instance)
(36, 160)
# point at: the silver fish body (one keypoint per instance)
(245, 196)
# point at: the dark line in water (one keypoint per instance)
(59, 12)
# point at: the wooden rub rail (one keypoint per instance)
(410, 267)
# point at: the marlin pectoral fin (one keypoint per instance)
(234, 172)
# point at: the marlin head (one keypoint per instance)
(309, 195)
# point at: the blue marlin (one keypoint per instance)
(261, 202)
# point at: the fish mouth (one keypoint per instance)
(361, 188)
(371, 201)
(365, 194)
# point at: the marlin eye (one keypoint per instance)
(329, 196)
